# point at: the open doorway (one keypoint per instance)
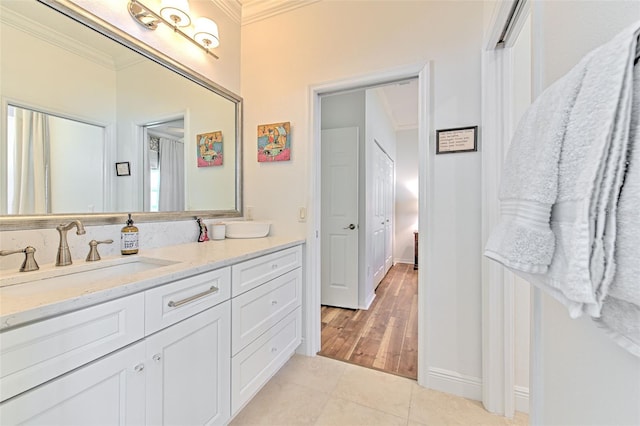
(369, 224)
(164, 165)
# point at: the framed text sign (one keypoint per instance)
(461, 139)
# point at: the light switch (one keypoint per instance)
(302, 214)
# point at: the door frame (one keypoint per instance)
(498, 296)
(311, 298)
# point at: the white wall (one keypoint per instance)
(406, 194)
(584, 377)
(329, 41)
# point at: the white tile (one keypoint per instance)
(374, 389)
(340, 412)
(282, 403)
(317, 372)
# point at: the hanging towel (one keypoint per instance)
(562, 179)
(620, 315)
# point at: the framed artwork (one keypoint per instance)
(274, 142)
(123, 169)
(461, 139)
(209, 147)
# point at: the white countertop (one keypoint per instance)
(35, 300)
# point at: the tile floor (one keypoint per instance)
(323, 391)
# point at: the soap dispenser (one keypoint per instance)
(129, 238)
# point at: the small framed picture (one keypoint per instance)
(123, 169)
(461, 139)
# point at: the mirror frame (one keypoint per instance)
(23, 222)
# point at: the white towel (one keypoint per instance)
(562, 179)
(620, 315)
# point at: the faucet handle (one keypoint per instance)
(29, 263)
(93, 249)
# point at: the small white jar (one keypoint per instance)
(218, 230)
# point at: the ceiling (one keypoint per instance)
(401, 101)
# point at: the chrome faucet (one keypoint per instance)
(64, 255)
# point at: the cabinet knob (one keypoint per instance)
(157, 357)
(138, 368)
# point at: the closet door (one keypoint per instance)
(379, 214)
(389, 197)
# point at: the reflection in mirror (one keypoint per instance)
(164, 166)
(45, 154)
(112, 101)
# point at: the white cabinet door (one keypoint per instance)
(109, 391)
(188, 377)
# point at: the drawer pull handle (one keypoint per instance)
(274, 266)
(173, 304)
(274, 349)
(138, 368)
(274, 302)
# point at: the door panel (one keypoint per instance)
(339, 224)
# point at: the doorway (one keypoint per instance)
(164, 165)
(369, 285)
(311, 344)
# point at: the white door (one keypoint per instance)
(389, 197)
(188, 378)
(339, 223)
(110, 391)
(378, 214)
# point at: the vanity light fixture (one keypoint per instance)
(206, 33)
(175, 14)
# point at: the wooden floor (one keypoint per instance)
(385, 336)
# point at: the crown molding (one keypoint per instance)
(232, 8)
(51, 36)
(257, 10)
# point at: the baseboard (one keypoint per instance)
(372, 296)
(409, 261)
(521, 398)
(455, 383)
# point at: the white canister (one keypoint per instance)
(218, 231)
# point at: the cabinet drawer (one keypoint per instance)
(38, 352)
(255, 311)
(252, 273)
(170, 303)
(255, 365)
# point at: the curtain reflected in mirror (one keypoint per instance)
(53, 164)
(28, 161)
(164, 170)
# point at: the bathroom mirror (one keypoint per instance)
(90, 118)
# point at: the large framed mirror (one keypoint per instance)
(96, 125)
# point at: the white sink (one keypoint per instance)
(247, 229)
(86, 272)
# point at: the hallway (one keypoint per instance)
(384, 337)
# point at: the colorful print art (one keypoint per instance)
(209, 147)
(274, 142)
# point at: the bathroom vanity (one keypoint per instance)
(187, 341)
